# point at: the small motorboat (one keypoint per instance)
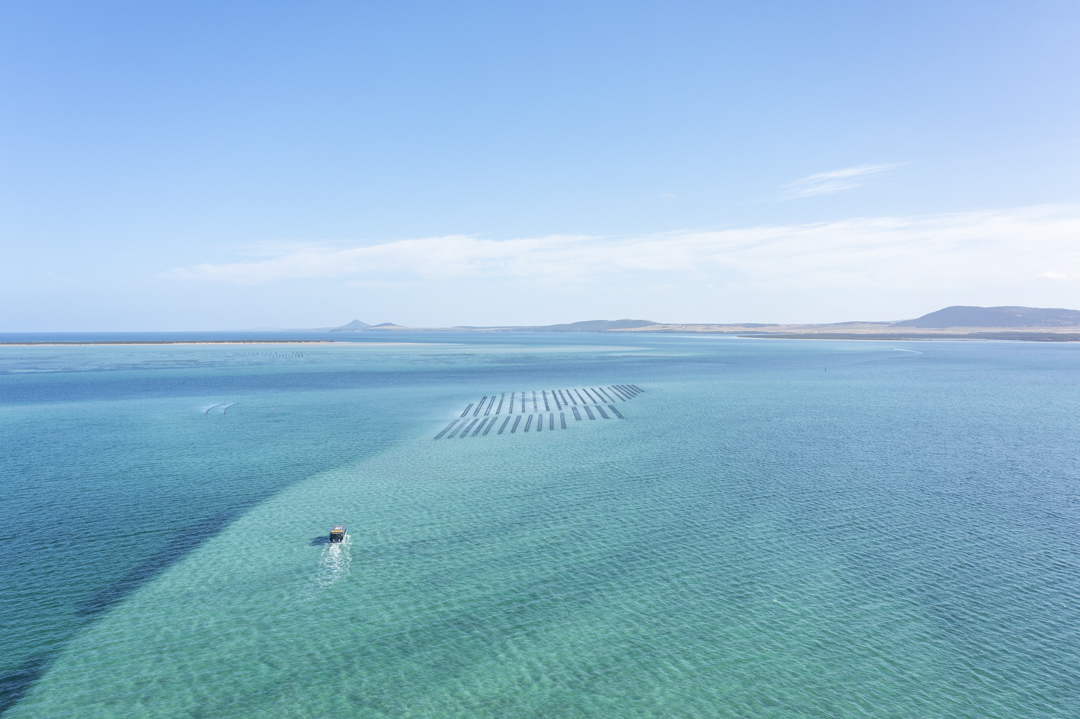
(338, 532)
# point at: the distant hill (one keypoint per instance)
(354, 326)
(589, 326)
(1008, 323)
(964, 316)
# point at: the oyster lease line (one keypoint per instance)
(535, 407)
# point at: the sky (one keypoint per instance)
(230, 165)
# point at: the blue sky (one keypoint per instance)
(230, 165)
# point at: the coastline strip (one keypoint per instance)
(108, 343)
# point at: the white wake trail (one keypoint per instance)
(334, 562)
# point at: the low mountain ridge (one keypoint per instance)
(354, 326)
(590, 326)
(1008, 316)
(1008, 322)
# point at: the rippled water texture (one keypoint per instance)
(773, 529)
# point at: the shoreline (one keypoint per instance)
(970, 336)
(107, 343)
(801, 332)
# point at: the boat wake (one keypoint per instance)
(334, 562)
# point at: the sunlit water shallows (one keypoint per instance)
(767, 529)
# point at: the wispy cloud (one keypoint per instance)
(913, 253)
(452, 256)
(823, 183)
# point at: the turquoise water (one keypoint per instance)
(820, 529)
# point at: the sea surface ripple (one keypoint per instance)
(775, 529)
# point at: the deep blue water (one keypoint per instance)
(775, 528)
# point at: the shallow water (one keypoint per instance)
(774, 529)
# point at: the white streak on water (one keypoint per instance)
(334, 562)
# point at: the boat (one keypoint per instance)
(338, 532)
